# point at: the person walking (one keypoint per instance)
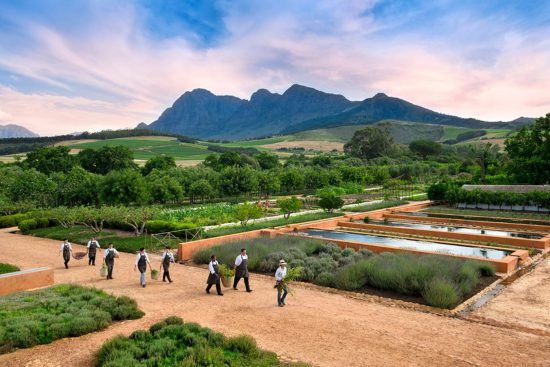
(167, 258)
(109, 259)
(214, 276)
(92, 247)
(241, 270)
(142, 259)
(67, 250)
(282, 289)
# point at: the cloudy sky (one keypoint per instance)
(73, 65)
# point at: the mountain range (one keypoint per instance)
(15, 131)
(201, 114)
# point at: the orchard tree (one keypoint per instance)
(134, 217)
(246, 212)
(200, 189)
(329, 201)
(529, 152)
(292, 179)
(289, 206)
(268, 183)
(163, 188)
(370, 142)
(50, 159)
(267, 160)
(106, 159)
(235, 181)
(77, 187)
(425, 148)
(160, 162)
(123, 187)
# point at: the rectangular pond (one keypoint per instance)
(485, 253)
(443, 228)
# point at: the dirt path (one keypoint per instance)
(317, 327)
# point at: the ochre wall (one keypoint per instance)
(25, 280)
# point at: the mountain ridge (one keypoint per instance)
(202, 114)
(15, 131)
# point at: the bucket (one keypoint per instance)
(103, 271)
(226, 281)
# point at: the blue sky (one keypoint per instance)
(90, 65)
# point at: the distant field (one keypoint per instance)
(148, 147)
(451, 132)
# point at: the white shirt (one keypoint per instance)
(107, 251)
(139, 256)
(170, 254)
(280, 274)
(211, 267)
(240, 259)
(63, 245)
(96, 244)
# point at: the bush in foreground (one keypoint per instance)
(174, 343)
(40, 317)
(7, 268)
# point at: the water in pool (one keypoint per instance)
(461, 229)
(485, 253)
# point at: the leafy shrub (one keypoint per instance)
(326, 279)
(7, 268)
(33, 223)
(440, 293)
(12, 220)
(243, 344)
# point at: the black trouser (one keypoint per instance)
(166, 275)
(66, 262)
(218, 286)
(110, 267)
(246, 284)
(91, 259)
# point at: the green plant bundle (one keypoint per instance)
(40, 317)
(173, 343)
(292, 274)
(226, 271)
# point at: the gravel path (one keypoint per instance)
(317, 327)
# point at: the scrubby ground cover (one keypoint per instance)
(174, 343)
(7, 268)
(487, 213)
(40, 317)
(440, 281)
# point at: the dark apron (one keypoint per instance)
(213, 278)
(110, 258)
(142, 264)
(66, 253)
(92, 250)
(166, 262)
(242, 270)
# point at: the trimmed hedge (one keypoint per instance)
(34, 223)
(12, 220)
(533, 198)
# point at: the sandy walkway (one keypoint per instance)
(317, 327)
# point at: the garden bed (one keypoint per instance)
(434, 280)
(376, 206)
(174, 343)
(40, 317)
(488, 215)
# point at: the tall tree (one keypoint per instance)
(160, 162)
(425, 148)
(123, 187)
(368, 143)
(51, 159)
(106, 159)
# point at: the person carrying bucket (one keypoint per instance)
(109, 259)
(142, 259)
(166, 259)
(67, 251)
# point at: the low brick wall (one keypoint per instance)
(25, 279)
(513, 241)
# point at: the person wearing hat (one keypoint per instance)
(282, 289)
(109, 259)
(166, 259)
(92, 247)
(241, 270)
(142, 259)
(214, 276)
(67, 251)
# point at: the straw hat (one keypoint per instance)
(282, 262)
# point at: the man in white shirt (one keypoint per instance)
(109, 259)
(241, 270)
(282, 289)
(166, 259)
(214, 276)
(142, 259)
(67, 251)
(92, 247)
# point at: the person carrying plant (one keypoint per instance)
(109, 259)
(92, 247)
(67, 251)
(214, 276)
(282, 289)
(167, 258)
(142, 259)
(241, 270)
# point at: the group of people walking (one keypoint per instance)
(142, 262)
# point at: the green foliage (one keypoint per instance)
(12, 220)
(329, 202)
(7, 268)
(50, 159)
(40, 317)
(289, 205)
(160, 162)
(124, 187)
(174, 343)
(368, 143)
(425, 148)
(440, 293)
(106, 159)
(535, 198)
(246, 212)
(29, 224)
(235, 181)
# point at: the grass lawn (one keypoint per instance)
(222, 231)
(40, 317)
(173, 343)
(487, 213)
(369, 207)
(123, 241)
(7, 268)
(255, 143)
(451, 132)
